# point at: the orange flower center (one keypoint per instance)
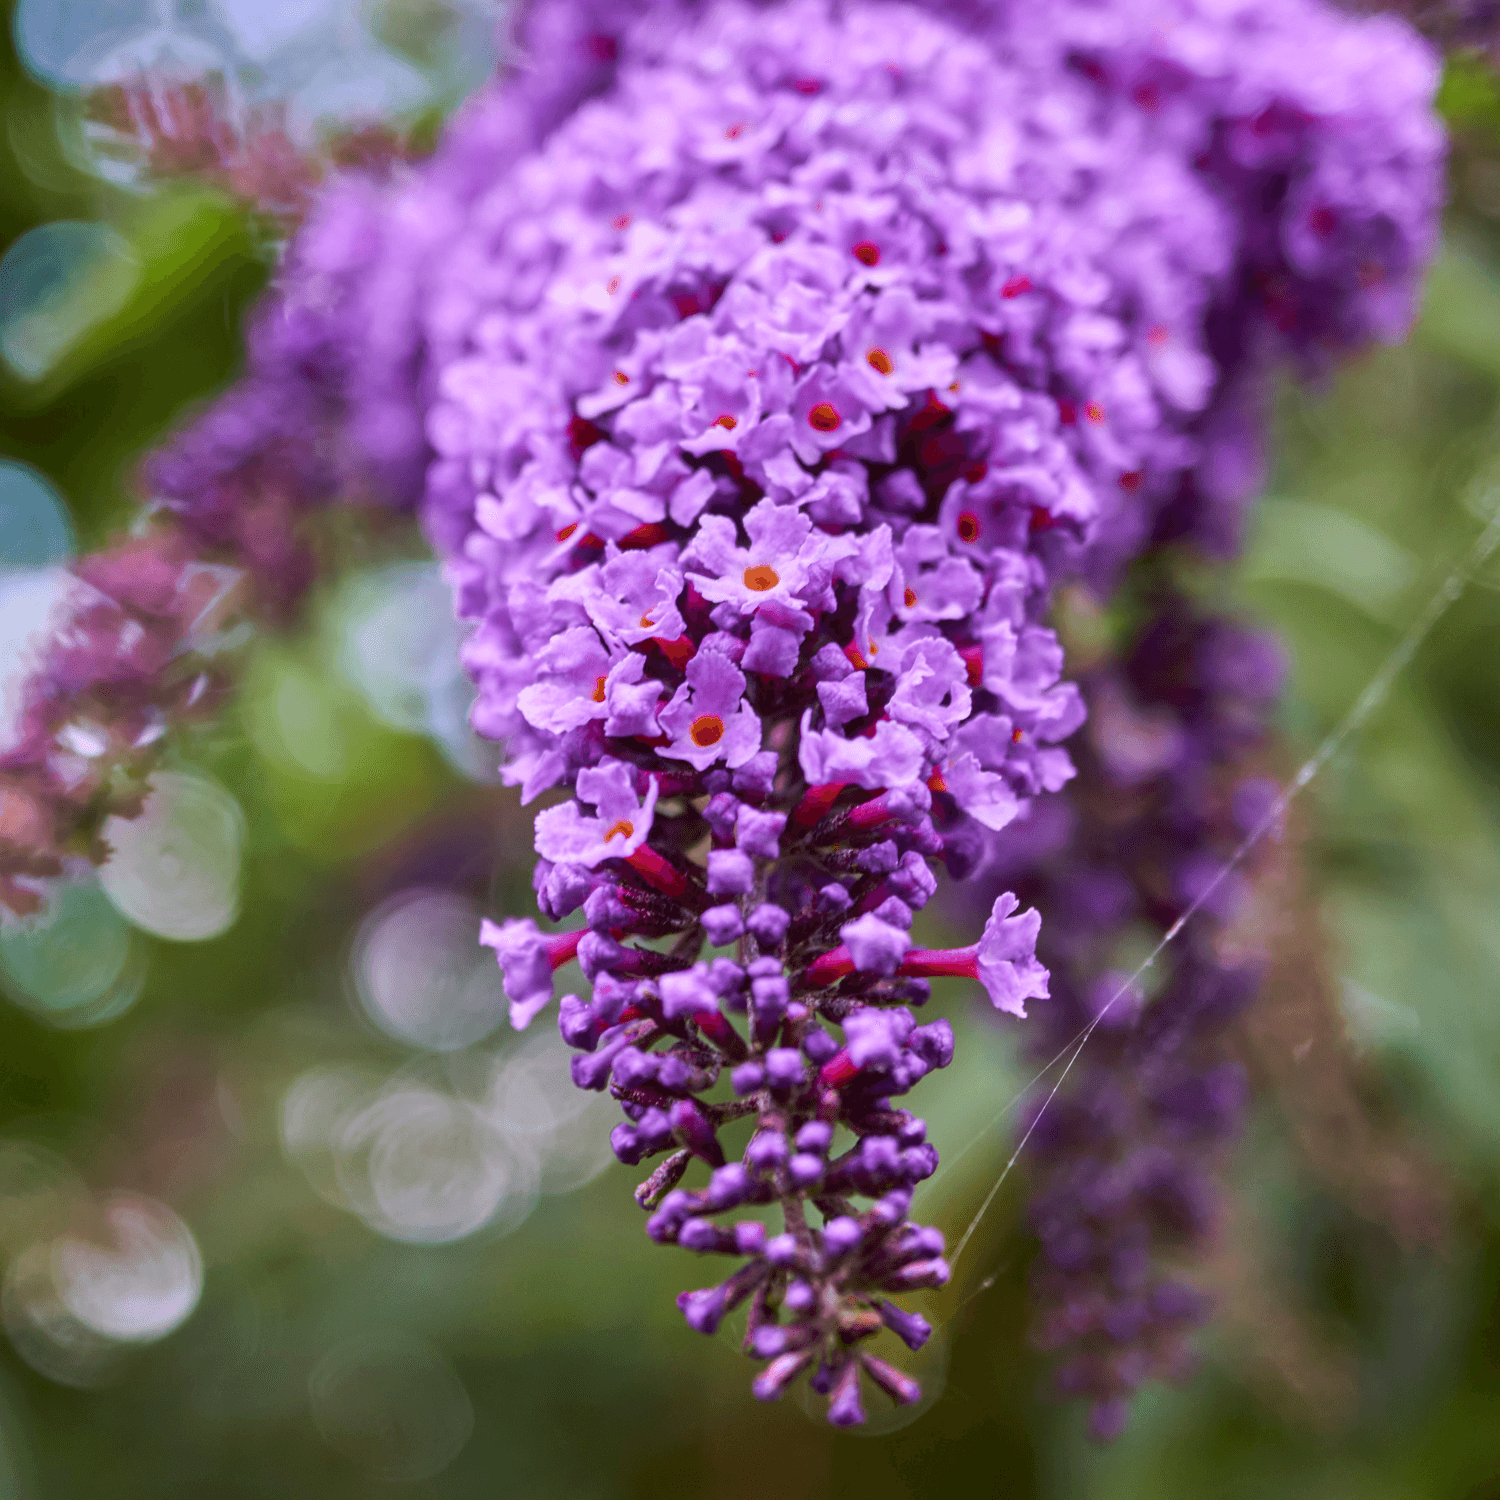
(708, 729)
(911, 599)
(1094, 412)
(760, 578)
(968, 527)
(621, 378)
(823, 418)
(878, 359)
(599, 690)
(567, 531)
(622, 829)
(867, 254)
(727, 422)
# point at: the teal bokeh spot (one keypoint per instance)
(58, 282)
(35, 529)
(67, 958)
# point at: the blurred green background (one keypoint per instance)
(367, 1243)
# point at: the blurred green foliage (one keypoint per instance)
(581, 1378)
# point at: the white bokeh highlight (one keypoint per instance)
(97, 1278)
(138, 1279)
(420, 975)
(397, 642)
(442, 1151)
(175, 869)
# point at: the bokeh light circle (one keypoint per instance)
(533, 1100)
(174, 870)
(58, 281)
(394, 1406)
(36, 530)
(74, 963)
(261, 28)
(138, 1278)
(423, 1167)
(398, 643)
(312, 1110)
(51, 36)
(420, 975)
(45, 1332)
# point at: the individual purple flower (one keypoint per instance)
(929, 583)
(758, 833)
(932, 687)
(876, 1038)
(631, 699)
(1003, 960)
(891, 756)
(528, 959)
(708, 719)
(987, 796)
(731, 872)
(787, 562)
(572, 685)
(620, 826)
(630, 599)
(875, 946)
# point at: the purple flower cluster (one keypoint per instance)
(145, 644)
(773, 391)
(232, 537)
(1172, 777)
(758, 370)
(135, 654)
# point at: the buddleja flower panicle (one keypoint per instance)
(758, 371)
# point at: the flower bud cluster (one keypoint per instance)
(1126, 1157)
(756, 510)
(802, 1033)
